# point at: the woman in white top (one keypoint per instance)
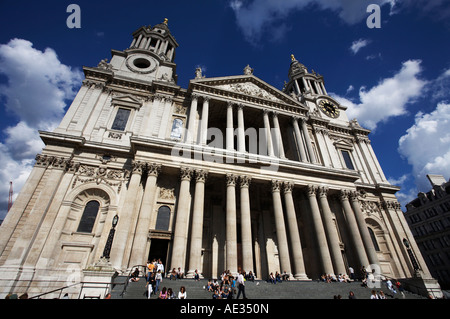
(182, 293)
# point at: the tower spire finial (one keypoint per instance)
(166, 21)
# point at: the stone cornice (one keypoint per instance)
(236, 161)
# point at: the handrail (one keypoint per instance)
(129, 275)
(428, 290)
(54, 290)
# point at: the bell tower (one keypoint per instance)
(150, 56)
(303, 83)
(309, 88)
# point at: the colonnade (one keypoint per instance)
(285, 216)
(196, 133)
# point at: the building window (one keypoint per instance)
(89, 216)
(347, 160)
(121, 120)
(163, 218)
(374, 239)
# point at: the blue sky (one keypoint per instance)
(395, 79)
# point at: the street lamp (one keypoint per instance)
(109, 241)
(411, 255)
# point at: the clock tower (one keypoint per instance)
(150, 56)
(309, 88)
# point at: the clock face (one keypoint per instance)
(329, 108)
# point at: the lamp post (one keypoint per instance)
(108, 245)
(411, 255)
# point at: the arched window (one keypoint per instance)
(163, 219)
(374, 239)
(89, 216)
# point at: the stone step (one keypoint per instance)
(260, 290)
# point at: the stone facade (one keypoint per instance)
(227, 174)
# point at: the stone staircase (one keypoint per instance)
(258, 290)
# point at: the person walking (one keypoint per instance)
(241, 286)
(158, 279)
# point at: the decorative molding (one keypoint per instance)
(100, 174)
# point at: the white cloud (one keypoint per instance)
(254, 17)
(426, 145)
(350, 89)
(387, 99)
(38, 83)
(35, 93)
(358, 45)
(440, 86)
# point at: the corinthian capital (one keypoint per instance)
(276, 185)
(245, 181)
(185, 173)
(323, 191)
(201, 175)
(344, 194)
(231, 179)
(311, 190)
(137, 167)
(288, 186)
(153, 169)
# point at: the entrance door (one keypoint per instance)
(158, 250)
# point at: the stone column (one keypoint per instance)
(353, 229)
(322, 245)
(195, 256)
(126, 216)
(18, 209)
(42, 217)
(297, 254)
(309, 146)
(331, 231)
(298, 136)
(241, 129)
(182, 220)
(191, 132)
(139, 253)
(230, 128)
(205, 114)
(362, 226)
(246, 225)
(278, 137)
(231, 233)
(52, 226)
(268, 133)
(283, 248)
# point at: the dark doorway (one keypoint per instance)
(158, 250)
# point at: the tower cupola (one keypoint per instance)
(303, 83)
(157, 39)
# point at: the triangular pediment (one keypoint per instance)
(249, 86)
(127, 100)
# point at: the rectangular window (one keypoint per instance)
(347, 160)
(121, 120)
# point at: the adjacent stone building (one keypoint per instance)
(429, 219)
(229, 173)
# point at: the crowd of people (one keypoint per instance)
(155, 274)
(229, 285)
